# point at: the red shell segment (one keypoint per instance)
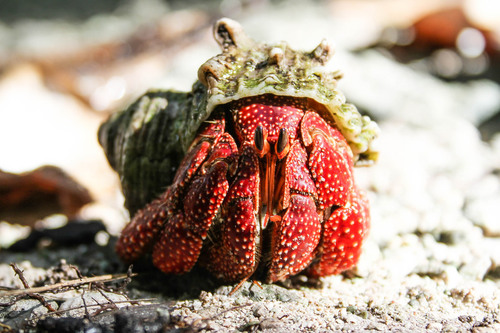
(192, 218)
(293, 188)
(192, 161)
(297, 176)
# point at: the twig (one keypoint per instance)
(196, 326)
(5, 328)
(119, 287)
(19, 273)
(110, 301)
(87, 315)
(77, 271)
(27, 287)
(66, 284)
(103, 308)
(133, 301)
(128, 279)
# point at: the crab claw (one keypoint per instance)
(343, 233)
(296, 235)
(330, 161)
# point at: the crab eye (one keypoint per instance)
(259, 138)
(282, 144)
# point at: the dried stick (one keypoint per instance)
(27, 287)
(135, 301)
(6, 328)
(66, 284)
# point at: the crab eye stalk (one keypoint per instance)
(283, 144)
(260, 141)
(259, 138)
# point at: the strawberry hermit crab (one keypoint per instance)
(265, 185)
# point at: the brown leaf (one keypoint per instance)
(28, 197)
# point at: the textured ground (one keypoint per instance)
(431, 262)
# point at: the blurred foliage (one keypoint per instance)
(11, 11)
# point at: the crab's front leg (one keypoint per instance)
(234, 255)
(345, 207)
(296, 234)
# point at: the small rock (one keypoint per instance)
(260, 310)
(31, 306)
(434, 327)
(269, 323)
(477, 268)
(212, 325)
(197, 306)
(484, 213)
(374, 326)
(26, 309)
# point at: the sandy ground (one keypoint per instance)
(432, 259)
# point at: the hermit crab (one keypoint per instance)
(250, 173)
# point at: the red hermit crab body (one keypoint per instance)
(282, 168)
(267, 183)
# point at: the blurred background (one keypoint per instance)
(428, 71)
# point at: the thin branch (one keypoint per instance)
(6, 328)
(132, 301)
(19, 273)
(66, 284)
(197, 325)
(87, 315)
(33, 295)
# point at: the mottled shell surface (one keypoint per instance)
(146, 142)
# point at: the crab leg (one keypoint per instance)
(296, 235)
(235, 256)
(180, 243)
(138, 236)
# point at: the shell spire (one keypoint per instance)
(229, 33)
(247, 68)
(323, 52)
